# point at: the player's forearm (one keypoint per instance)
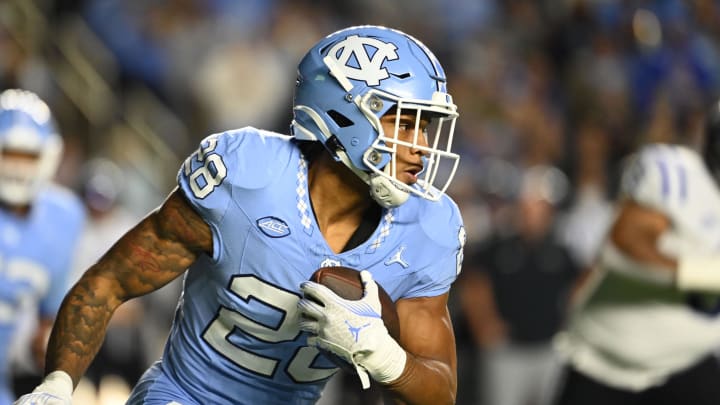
(611, 257)
(79, 329)
(637, 234)
(424, 381)
(156, 251)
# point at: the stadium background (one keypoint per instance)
(572, 86)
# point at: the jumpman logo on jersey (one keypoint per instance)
(397, 258)
(355, 330)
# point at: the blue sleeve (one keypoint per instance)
(433, 280)
(444, 227)
(202, 179)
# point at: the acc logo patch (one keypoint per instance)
(362, 58)
(273, 227)
(330, 262)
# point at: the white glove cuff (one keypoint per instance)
(699, 274)
(58, 383)
(387, 363)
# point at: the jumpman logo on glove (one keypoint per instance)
(355, 331)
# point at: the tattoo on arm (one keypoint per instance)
(156, 251)
(146, 261)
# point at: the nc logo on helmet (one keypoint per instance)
(356, 50)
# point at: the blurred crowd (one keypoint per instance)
(557, 91)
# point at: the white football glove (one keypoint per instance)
(56, 389)
(353, 330)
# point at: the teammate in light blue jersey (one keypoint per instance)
(360, 184)
(39, 224)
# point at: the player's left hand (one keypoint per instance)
(353, 330)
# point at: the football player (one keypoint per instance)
(40, 224)
(360, 184)
(648, 323)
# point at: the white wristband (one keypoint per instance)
(386, 364)
(58, 383)
(699, 274)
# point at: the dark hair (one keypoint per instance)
(310, 149)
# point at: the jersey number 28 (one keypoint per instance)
(248, 287)
(211, 171)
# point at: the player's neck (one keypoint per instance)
(335, 191)
(339, 199)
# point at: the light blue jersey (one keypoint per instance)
(36, 253)
(235, 338)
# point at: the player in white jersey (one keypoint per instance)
(360, 184)
(647, 323)
(40, 224)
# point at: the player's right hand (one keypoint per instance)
(56, 389)
(353, 330)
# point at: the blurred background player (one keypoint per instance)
(646, 325)
(514, 293)
(40, 224)
(360, 184)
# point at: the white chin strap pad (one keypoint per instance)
(384, 191)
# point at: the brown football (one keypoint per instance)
(346, 283)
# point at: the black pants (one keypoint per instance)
(697, 385)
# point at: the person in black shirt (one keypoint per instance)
(516, 288)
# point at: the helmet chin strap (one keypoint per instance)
(382, 189)
(385, 191)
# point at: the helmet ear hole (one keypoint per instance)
(341, 120)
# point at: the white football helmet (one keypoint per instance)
(353, 77)
(30, 147)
